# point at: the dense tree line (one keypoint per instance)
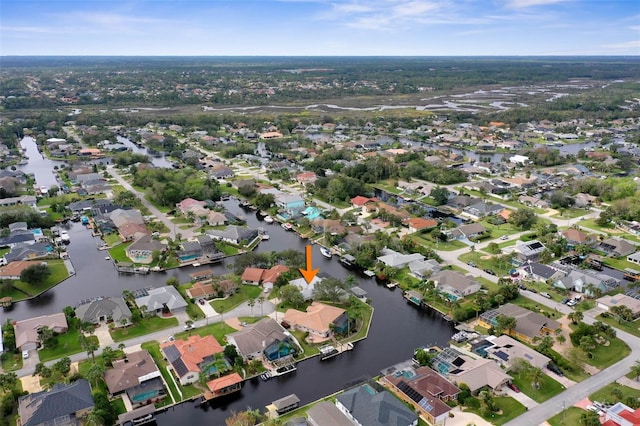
(167, 187)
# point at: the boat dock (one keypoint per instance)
(329, 351)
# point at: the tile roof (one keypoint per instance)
(191, 352)
(318, 317)
(224, 381)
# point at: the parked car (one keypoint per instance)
(572, 302)
(565, 301)
(513, 387)
(544, 294)
(489, 271)
(504, 237)
(473, 265)
(554, 368)
(25, 354)
(189, 327)
(201, 301)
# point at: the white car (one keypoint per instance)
(25, 354)
(547, 295)
(189, 327)
(504, 237)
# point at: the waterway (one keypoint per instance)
(42, 168)
(397, 327)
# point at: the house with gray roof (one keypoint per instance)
(24, 251)
(105, 310)
(634, 258)
(254, 340)
(326, 413)
(541, 272)
(64, 404)
(506, 350)
(616, 247)
(455, 285)
(157, 298)
(121, 217)
(472, 230)
(138, 376)
(79, 206)
(365, 405)
(587, 282)
(479, 210)
(422, 269)
(141, 250)
(528, 250)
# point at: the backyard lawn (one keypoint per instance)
(68, 344)
(246, 292)
(24, 290)
(605, 356)
(219, 330)
(570, 416)
(145, 326)
(606, 395)
(154, 350)
(632, 327)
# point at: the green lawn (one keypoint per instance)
(629, 327)
(571, 213)
(509, 409)
(68, 344)
(112, 239)
(605, 356)
(219, 330)
(146, 326)
(569, 417)
(245, 293)
(548, 386)
(228, 249)
(619, 263)
(11, 361)
(118, 253)
(444, 246)
(606, 394)
(24, 290)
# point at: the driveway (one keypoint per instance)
(521, 397)
(207, 310)
(102, 333)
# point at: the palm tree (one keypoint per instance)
(109, 355)
(536, 374)
(95, 372)
(575, 316)
(251, 303)
(635, 370)
(261, 301)
(89, 345)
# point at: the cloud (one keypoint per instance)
(521, 4)
(26, 30)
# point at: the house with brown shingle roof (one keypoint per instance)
(225, 385)
(576, 237)
(26, 331)
(13, 270)
(136, 375)
(529, 325)
(189, 357)
(132, 231)
(425, 390)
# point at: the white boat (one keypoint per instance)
(44, 190)
(64, 237)
(264, 236)
(268, 219)
(326, 252)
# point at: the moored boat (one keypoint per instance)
(326, 252)
(268, 219)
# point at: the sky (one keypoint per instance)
(320, 27)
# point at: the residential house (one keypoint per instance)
(455, 285)
(609, 301)
(142, 250)
(328, 226)
(422, 269)
(252, 276)
(425, 390)
(109, 309)
(621, 414)
(542, 273)
(506, 350)
(461, 201)
(306, 178)
(220, 171)
(474, 372)
(271, 275)
(23, 251)
(318, 321)
(26, 200)
(326, 413)
(529, 325)
(416, 224)
(526, 251)
(132, 231)
(533, 202)
(189, 251)
(359, 201)
(289, 202)
(398, 260)
(472, 230)
(634, 258)
(587, 282)
(616, 247)
(584, 200)
(216, 218)
(18, 235)
(161, 299)
(576, 237)
(365, 405)
(26, 331)
(235, 235)
(121, 217)
(307, 288)
(265, 338)
(13, 270)
(192, 357)
(225, 385)
(190, 205)
(203, 275)
(137, 376)
(63, 404)
(479, 210)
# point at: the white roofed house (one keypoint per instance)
(398, 260)
(422, 269)
(528, 250)
(156, 300)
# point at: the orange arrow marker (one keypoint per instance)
(309, 274)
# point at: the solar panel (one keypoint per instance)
(425, 404)
(410, 392)
(458, 362)
(534, 246)
(501, 355)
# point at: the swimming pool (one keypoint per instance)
(145, 395)
(312, 213)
